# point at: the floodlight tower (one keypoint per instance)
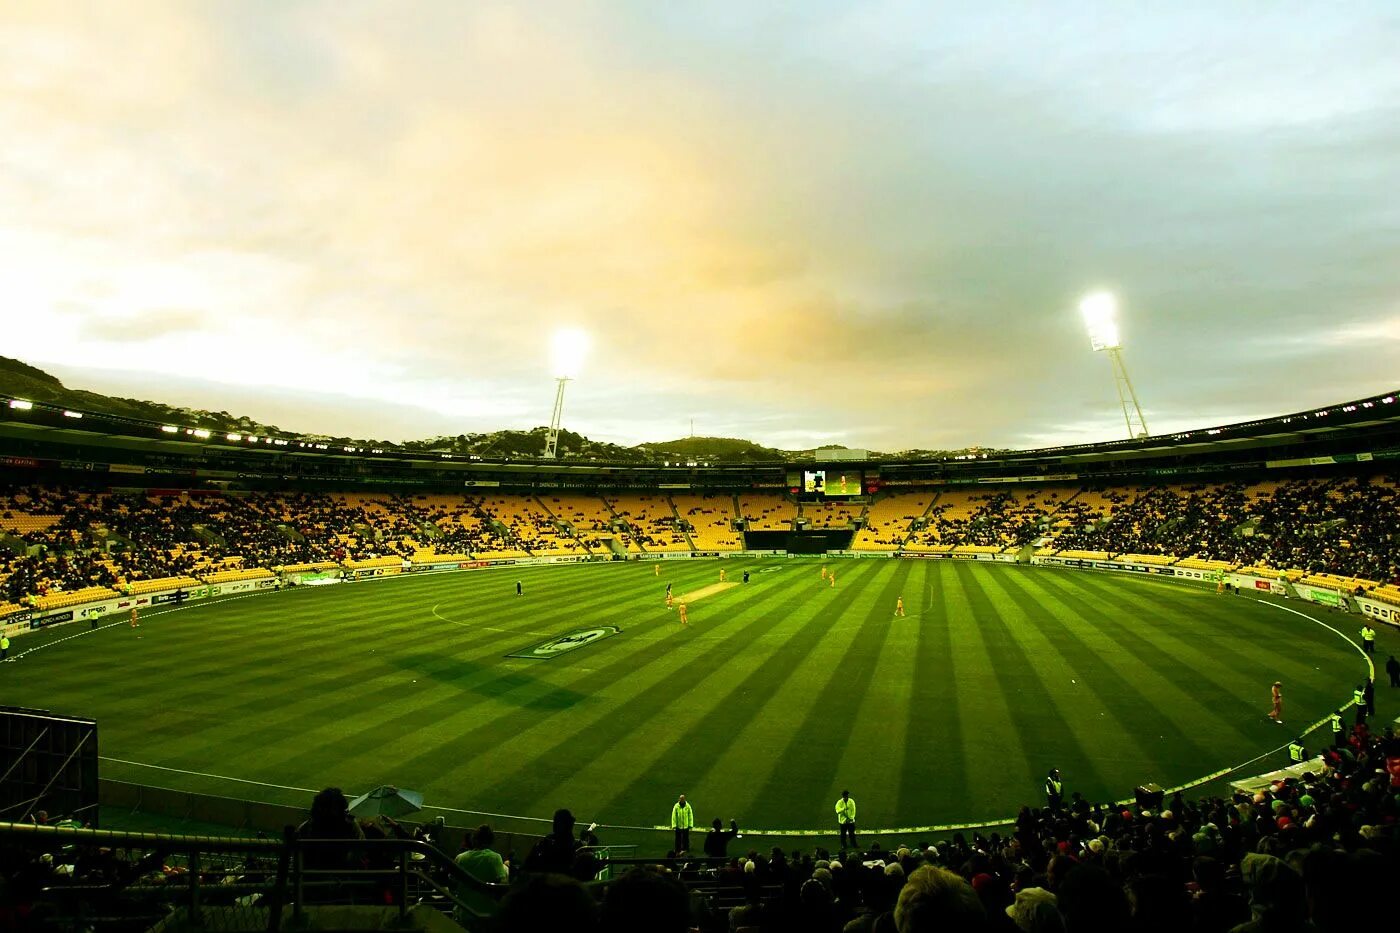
(567, 350)
(1100, 312)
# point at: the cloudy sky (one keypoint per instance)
(864, 223)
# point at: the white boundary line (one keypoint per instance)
(222, 777)
(490, 628)
(903, 830)
(147, 614)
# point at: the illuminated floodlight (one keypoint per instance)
(233, 437)
(72, 414)
(567, 350)
(21, 404)
(201, 433)
(170, 429)
(1100, 312)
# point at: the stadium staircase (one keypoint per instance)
(620, 525)
(564, 526)
(291, 533)
(675, 513)
(920, 522)
(207, 535)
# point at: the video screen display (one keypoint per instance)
(831, 483)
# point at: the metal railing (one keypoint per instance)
(94, 875)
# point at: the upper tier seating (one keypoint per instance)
(889, 518)
(711, 518)
(653, 521)
(767, 511)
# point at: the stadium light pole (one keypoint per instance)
(567, 351)
(1100, 312)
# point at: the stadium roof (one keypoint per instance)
(37, 423)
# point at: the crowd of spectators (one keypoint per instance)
(1345, 526)
(1003, 519)
(67, 539)
(1311, 853)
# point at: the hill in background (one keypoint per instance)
(21, 380)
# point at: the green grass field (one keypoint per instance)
(779, 694)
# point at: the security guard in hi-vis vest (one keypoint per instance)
(1358, 696)
(846, 818)
(1296, 753)
(1054, 790)
(1368, 638)
(1339, 734)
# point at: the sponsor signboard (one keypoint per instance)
(563, 644)
(1378, 610)
(51, 619)
(1322, 597)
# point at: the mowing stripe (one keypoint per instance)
(679, 734)
(939, 719)
(365, 620)
(1047, 736)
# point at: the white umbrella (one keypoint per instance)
(387, 801)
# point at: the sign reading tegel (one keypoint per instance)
(565, 643)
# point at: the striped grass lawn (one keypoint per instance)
(781, 693)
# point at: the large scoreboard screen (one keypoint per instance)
(832, 484)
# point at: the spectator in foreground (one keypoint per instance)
(1276, 896)
(935, 900)
(646, 900)
(483, 863)
(548, 902)
(559, 851)
(717, 839)
(330, 819)
(1034, 912)
(1091, 902)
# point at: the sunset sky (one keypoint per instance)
(861, 223)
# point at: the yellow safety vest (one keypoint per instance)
(846, 810)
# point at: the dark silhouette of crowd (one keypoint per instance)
(1310, 853)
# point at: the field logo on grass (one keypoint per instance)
(565, 643)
